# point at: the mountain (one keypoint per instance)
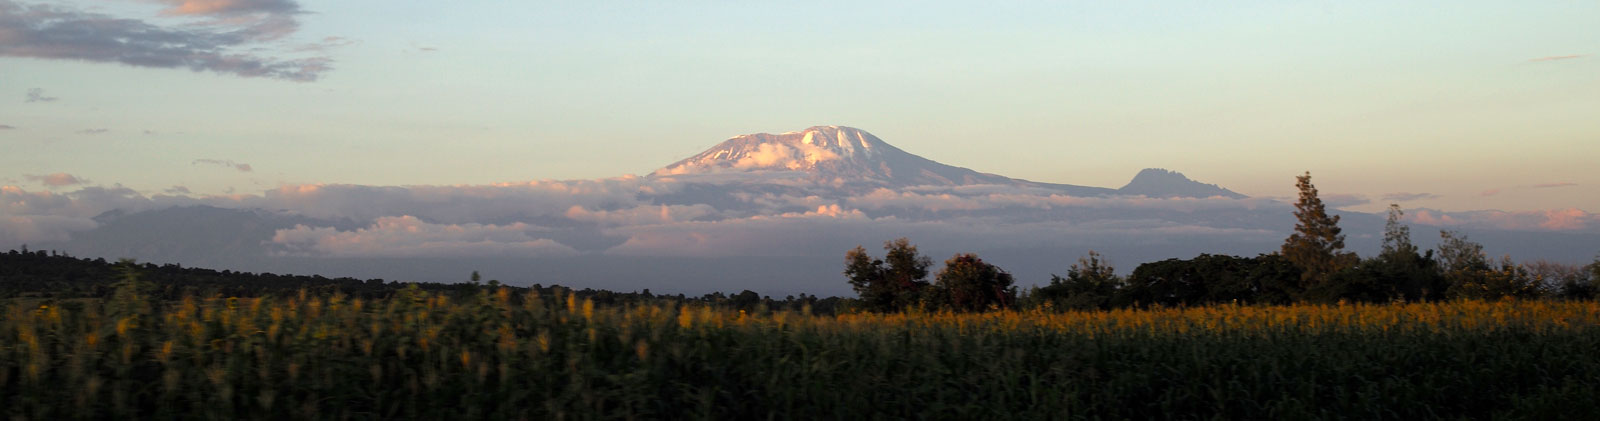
(767, 212)
(837, 155)
(1157, 182)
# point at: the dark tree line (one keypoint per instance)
(50, 275)
(1312, 266)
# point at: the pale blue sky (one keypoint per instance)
(1374, 98)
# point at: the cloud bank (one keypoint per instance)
(1570, 219)
(407, 236)
(223, 36)
(639, 216)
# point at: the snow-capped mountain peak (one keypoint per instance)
(847, 156)
(810, 150)
(830, 155)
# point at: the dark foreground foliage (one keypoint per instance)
(52, 276)
(556, 356)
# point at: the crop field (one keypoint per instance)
(501, 355)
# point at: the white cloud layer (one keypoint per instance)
(641, 216)
(407, 236)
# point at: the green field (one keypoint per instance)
(556, 356)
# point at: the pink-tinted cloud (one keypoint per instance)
(1427, 217)
(1566, 219)
(1570, 219)
(1554, 58)
(231, 7)
(59, 179)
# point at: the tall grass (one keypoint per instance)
(420, 355)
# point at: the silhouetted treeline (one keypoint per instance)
(1312, 266)
(54, 275)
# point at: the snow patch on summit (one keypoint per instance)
(834, 156)
(789, 151)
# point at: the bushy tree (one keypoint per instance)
(1316, 245)
(1214, 279)
(1397, 273)
(967, 283)
(1564, 281)
(1386, 278)
(1507, 279)
(1457, 253)
(888, 284)
(1586, 286)
(1091, 283)
(1461, 261)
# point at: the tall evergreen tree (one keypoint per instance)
(1316, 245)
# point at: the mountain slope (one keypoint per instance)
(1157, 182)
(839, 155)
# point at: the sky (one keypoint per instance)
(1459, 106)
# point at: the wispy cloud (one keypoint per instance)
(1550, 185)
(224, 162)
(59, 179)
(1554, 58)
(326, 44)
(1403, 197)
(223, 41)
(34, 94)
(1569, 219)
(93, 131)
(1489, 192)
(1342, 200)
(7, 127)
(176, 190)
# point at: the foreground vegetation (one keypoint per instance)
(498, 354)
